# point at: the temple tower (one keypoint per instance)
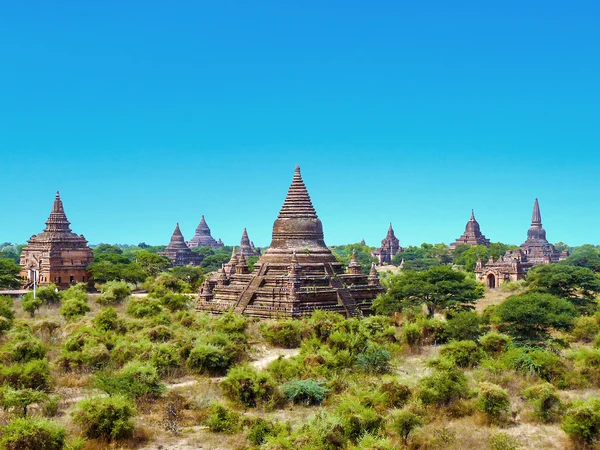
(296, 275)
(536, 247)
(390, 247)
(203, 238)
(247, 247)
(178, 252)
(472, 235)
(56, 255)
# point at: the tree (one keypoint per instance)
(9, 273)
(439, 288)
(579, 285)
(152, 263)
(530, 317)
(585, 256)
(467, 256)
(343, 253)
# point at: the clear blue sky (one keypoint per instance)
(147, 113)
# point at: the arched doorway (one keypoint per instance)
(491, 281)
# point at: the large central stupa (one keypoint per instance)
(296, 275)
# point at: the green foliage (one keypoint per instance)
(32, 434)
(152, 263)
(222, 419)
(423, 257)
(547, 406)
(20, 398)
(165, 358)
(72, 308)
(175, 302)
(25, 347)
(463, 325)
(143, 307)
(48, 294)
(113, 293)
(250, 388)
(105, 417)
(356, 419)
(579, 285)
(463, 353)
(33, 375)
(208, 359)
(530, 317)
(193, 276)
(7, 314)
(443, 387)
(467, 256)
(494, 343)
(582, 422)
(306, 392)
(494, 402)
(504, 441)
(585, 256)
(534, 361)
(106, 319)
(586, 328)
(231, 323)
(374, 359)
(284, 333)
(260, 430)
(396, 394)
(9, 273)
(343, 253)
(439, 288)
(404, 422)
(31, 304)
(135, 379)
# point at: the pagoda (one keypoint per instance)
(515, 264)
(390, 247)
(56, 255)
(203, 238)
(296, 275)
(472, 235)
(178, 252)
(247, 247)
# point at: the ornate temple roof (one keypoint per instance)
(178, 251)
(472, 235)
(247, 247)
(537, 247)
(390, 247)
(203, 238)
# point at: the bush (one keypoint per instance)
(260, 430)
(411, 334)
(72, 308)
(547, 406)
(32, 434)
(231, 323)
(504, 441)
(582, 422)
(164, 358)
(463, 325)
(7, 315)
(375, 359)
(404, 422)
(30, 304)
(494, 402)
(357, 419)
(542, 363)
(106, 319)
(33, 375)
(113, 293)
(20, 398)
(307, 392)
(105, 417)
(26, 348)
(586, 328)
(494, 343)
(175, 302)
(135, 379)
(143, 307)
(463, 353)
(443, 387)
(396, 394)
(250, 388)
(284, 333)
(208, 359)
(222, 420)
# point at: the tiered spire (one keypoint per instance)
(354, 266)
(177, 239)
(57, 221)
(297, 202)
(536, 232)
(536, 217)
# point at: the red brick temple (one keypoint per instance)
(203, 238)
(296, 275)
(178, 252)
(472, 235)
(56, 255)
(390, 247)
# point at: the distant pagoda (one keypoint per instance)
(472, 235)
(515, 264)
(390, 247)
(296, 275)
(56, 255)
(178, 252)
(247, 247)
(203, 238)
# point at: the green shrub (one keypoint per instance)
(396, 394)
(357, 419)
(222, 419)
(260, 430)
(494, 343)
(32, 434)
(463, 353)
(175, 302)
(504, 441)
(587, 363)
(250, 388)
(370, 441)
(33, 374)
(30, 304)
(165, 359)
(411, 334)
(113, 293)
(208, 359)
(106, 319)
(7, 314)
(160, 333)
(378, 328)
(323, 323)
(443, 387)
(306, 392)
(231, 323)
(20, 399)
(463, 325)
(404, 422)
(375, 359)
(582, 422)
(135, 379)
(143, 307)
(542, 363)
(26, 348)
(494, 402)
(546, 403)
(433, 331)
(105, 417)
(321, 431)
(284, 333)
(586, 328)
(72, 308)
(48, 294)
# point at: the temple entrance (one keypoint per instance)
(491, 281)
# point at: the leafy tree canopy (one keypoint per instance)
(439, 288)
(467, 256)
(9, 273)
(585, 256)
(343, 253)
